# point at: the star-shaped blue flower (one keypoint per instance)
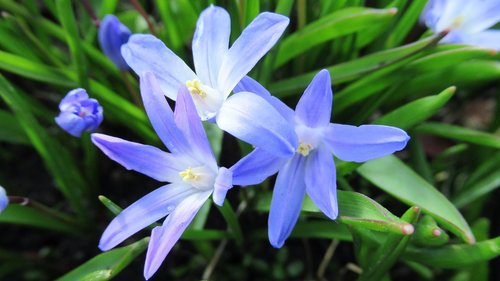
(311, 169)
(218, 69)
(190, 168)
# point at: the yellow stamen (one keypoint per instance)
(304, 149)
(188, 175)
(194, 87)
(457, 22)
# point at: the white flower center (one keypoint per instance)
(309, 138)
(200, 177)
(208, 100)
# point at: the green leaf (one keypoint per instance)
(388, 253)
(406, 23)
(36, 71)
(355, 209)
(459, 133)
(483, 186)
(25, 215)
(416, 112)
(232, 221)
(68, 21)
(353, 69)
(396, 178)
(10, 130)
(106, 265)
(334, 25)
(456, 256)
(321, 229)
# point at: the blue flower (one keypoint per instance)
(79, 113)
(467, 21)
(190, 168)
(218, 70)
(311, 169)
(4, 201)
(112, 35)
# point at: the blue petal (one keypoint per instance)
(320, 178)
(4, 201)
(480, 16)
(486, 39)
(72, 97)
(359, 144)
(247, 84)
(256, 167)
(144, 212)
(144, 159)
(189, 123)
(315, 106)
(223, 182)
(254, 42)
(146, 53)
(71, 123)
(161, 116)
(251, 119)
(210, 43)
(287, 200)
(163, 238)
(112, 35)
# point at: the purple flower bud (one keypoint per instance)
(3, 199)
(112, 35)
(79, 113)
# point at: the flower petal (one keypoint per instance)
(188, 121)
(161, 116)
(359, 144)
(315, 106)
(144, 212)
(146, 53)
(72, 97)
(71, 123)
(320, 179)
(287, 200)
(487, 39)
(210, 43)
(145, 159)
(252, 119)
(223, 182)
(4, 201)
(164, 237)
(247, 84)
(254, 42)
(256, 167)
(480, 16)
(112, 35)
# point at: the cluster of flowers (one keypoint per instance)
(298, 145)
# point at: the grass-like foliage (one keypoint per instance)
(253, 175)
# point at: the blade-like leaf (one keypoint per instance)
(106, 265)
(459, 133)
(396, 178)
(343, 22)
(355, 209)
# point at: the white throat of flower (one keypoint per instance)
(208, 100)
(200, 177)
(309, 138)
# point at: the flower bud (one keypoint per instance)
(112, 35)
(79, 113)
